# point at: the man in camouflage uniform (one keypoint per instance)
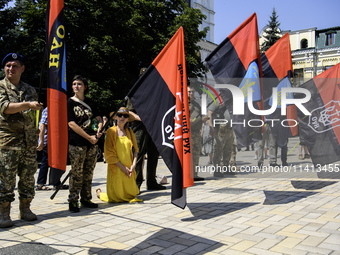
(225, 147)
(18, 140)
(196, 122)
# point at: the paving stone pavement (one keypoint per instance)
(291, 211)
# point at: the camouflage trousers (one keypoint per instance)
(225, 147)
(17, 162)
(83, 161)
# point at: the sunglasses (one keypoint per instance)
(123, 115)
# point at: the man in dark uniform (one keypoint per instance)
(146, 147)
(18, 140)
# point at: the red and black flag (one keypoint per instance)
(56, 86)
(321, 129)
(237, 61)
(277, 73)
(160, 98)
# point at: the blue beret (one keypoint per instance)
(12, 57)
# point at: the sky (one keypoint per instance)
(292, 14)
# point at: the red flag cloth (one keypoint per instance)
(160, 98)
(237, 61)
(321, 129)
(277, 72)
(57, 139)
(230, 60)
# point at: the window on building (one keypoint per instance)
(330, 38)
(298, 77)
(327, 67)
(304, 43)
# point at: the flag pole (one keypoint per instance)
(293, 148)
(38, 112)
(42, 71)
(60, 186)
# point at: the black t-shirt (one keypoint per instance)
(83, 117)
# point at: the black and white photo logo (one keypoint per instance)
(323, 119)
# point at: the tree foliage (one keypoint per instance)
(108, 41)
(10, 32)
(272, 32)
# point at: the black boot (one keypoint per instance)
(5, 219)
(88, 204)
(156, 186)
(73, 207)
(25, 211)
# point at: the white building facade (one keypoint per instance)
(313, 51)
(207, 8)
(206, 45)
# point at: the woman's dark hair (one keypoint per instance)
(84, 80)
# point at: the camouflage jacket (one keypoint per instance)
(19, 129)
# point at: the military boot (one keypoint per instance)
(5, 219)
(25, 211)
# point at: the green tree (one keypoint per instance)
(18, 35)
(10, 34)
(108, 41)
(272, 32)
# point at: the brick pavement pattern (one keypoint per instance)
(283, 212)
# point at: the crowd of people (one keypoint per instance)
(123, 146)
(21, 138)
(219, 143)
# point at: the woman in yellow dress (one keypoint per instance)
(121, 159)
